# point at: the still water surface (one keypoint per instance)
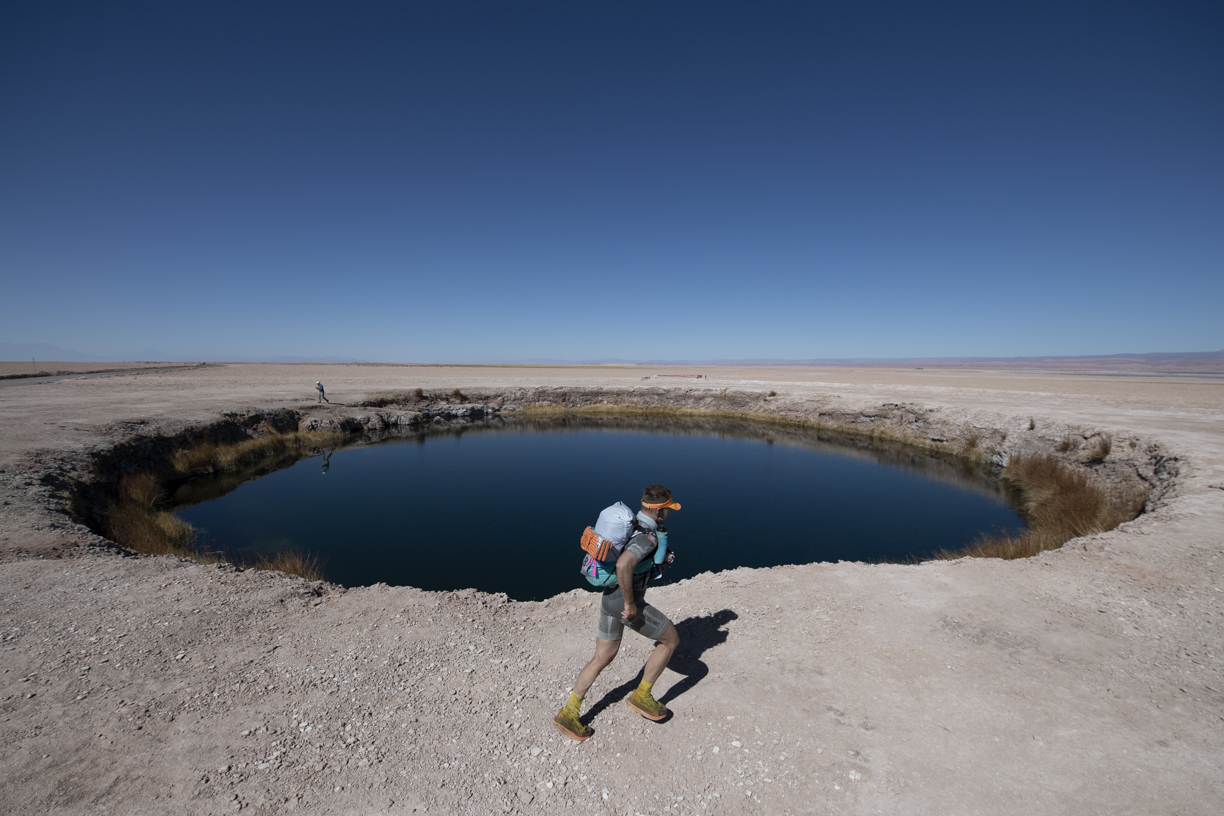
(500, 506)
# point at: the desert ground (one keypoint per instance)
(9, 369)
(1085, 680)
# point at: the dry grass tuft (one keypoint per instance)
(1032, 424)
(199, 458)
(207, 457)
(1065, 444)
(418, 393)
(1100, 447)
(135, 520)
(773, 393)
(1059, 503)
(458, 395)
(294, 562)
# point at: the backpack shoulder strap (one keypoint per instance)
(639, 528)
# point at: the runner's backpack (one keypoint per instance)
(603, 544)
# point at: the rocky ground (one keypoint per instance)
(1085, 680)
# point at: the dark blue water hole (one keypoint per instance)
(500, 505)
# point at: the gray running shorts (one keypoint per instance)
(649, 623)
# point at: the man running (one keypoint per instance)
(625, 605)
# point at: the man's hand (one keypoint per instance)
(630, 611)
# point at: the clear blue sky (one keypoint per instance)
(490, 182)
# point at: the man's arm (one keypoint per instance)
(624, 576)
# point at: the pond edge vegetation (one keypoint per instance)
(1065, 493)
(138, 516)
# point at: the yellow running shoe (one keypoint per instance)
(567, 723)
(644, 703)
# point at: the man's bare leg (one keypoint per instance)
(605, 653)
(567, 721)
(661, 655)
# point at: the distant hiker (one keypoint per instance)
(322, 396)
(624, 604)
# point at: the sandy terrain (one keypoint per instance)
(1087, 680)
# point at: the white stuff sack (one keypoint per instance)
(615, 524)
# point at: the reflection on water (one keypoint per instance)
(499, 505)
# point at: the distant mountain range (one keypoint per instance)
(19, 352)
(1188, 361)
(839, 361)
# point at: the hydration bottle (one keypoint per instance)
(660, 553)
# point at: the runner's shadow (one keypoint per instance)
(697, 635)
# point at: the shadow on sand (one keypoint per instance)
(697, 635)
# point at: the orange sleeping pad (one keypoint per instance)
(596, 546)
